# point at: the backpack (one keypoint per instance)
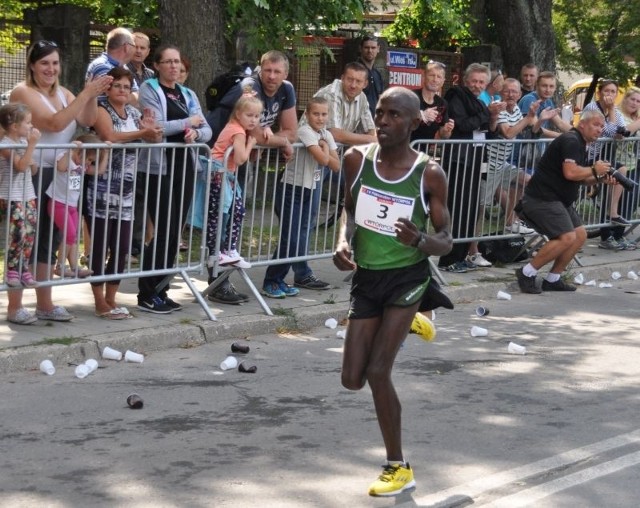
(504, 250)
(222, 83)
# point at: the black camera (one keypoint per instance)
(622, 130)
(626, 183)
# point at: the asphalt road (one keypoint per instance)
(557, 427)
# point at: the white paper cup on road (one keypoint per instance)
(632, 275)
(592, 282)
(516, 349)
(579, 279)
(92, 364)
(230, 362)
(46, 367)
(331, 323)
(605, 285)
(503, 295)
(82, 371)
(341, 334)
(478, 331)
(111, 354)
(616, 275)
(132, 357)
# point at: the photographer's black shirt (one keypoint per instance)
(548, 182)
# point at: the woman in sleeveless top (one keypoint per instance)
(56, 113)
(110, 196)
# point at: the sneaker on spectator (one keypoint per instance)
(240, 261)
(619, 221)
(12, 278)
(610, 244)
(155, 305)
(27, 280)
(272, 290)
(527, 284)
(457, 267)
(173, 304)
(224, 259)
(311, 282)
(288, 290)
(469, 265)
(519, 228)
(478, 260)
(627, 244)
(226, 293)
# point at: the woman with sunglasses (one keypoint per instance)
(56, 112)
(169, 172)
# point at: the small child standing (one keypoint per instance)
(17, 195)
(294, 202)
(65, 191)
(224, 190)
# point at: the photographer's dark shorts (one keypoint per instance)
(373, 290)
(550, 218)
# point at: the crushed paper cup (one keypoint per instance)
(331, 323)
(516, 349)
(592, 282)
(341, 334)
(579, 279)
(632, 275)
(616, 275)
(477, 331)
(47, 367)
(503, 295)
(604, 285)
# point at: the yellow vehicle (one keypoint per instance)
(577, 93)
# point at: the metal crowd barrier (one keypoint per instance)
(478, 211)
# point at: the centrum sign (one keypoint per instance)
(403, 69)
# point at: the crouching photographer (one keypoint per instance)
(548, 202)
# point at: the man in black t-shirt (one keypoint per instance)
(434, 111)
(547, 204)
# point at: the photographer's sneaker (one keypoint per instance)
(559, 285)
(527, 284)
(395, 479)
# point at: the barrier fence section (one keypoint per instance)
(134, 221)
(110, 212)
(487, 179)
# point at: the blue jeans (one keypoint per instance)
(296, 209)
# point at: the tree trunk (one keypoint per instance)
(524, 32)
(198, 29)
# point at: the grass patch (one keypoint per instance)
(331, 299)
(290, 324)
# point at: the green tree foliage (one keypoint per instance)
(434, 24)
(275, 24)
(598, 37)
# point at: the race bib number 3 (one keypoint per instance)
(378, 211)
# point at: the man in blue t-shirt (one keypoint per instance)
(279, 99)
